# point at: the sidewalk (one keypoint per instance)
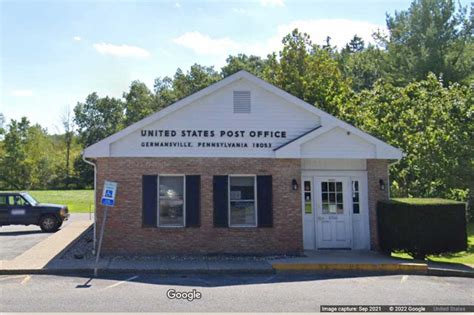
(38, 257)
(48, 258)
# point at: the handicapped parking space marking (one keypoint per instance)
(120, 283)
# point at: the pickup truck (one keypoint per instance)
(21, 208)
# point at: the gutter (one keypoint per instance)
(95, 199)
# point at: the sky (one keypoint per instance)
(54, 53)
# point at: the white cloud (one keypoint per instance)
(121, 50)
(205, 45)
(77, 38)
(341, 32)
(21, 93)
(272, 3)
(178, 5)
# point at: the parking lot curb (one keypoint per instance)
(450, 273)
(412, 268)
(382, 269)
(105, 271)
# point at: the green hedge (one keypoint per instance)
(422, 227)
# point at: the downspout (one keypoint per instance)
(95, 199)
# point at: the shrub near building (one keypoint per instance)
(422, 227)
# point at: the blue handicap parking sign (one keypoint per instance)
(108, 195)
(107, 202)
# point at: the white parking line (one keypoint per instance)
(404, 278)
(24, 281)
(11, 277)
(120, 283)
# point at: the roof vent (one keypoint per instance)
(241, 102)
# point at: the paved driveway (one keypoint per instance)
(16, 239)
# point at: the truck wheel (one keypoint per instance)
(49, 223)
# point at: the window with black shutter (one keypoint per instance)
(265, 200)
(193, 200)
(149, 200)
(171, 201)
(243, 201)
(221, 201)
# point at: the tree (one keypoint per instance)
(96, 119)
(431, 36)
(355, 45)
(433, 125)
(15, 171)
(26, 161)
(197, 78)
(362, 67)
(2, 124)
(164, 94)
(67, 121)
(310, 73)
(139, 103)
(252, 64)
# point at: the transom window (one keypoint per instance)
(242, 209)
(171, 201)
(332, 197)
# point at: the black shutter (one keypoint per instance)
(221, 201)
(149, 200)
(193, 200)
(264, 201)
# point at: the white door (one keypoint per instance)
(333, 212)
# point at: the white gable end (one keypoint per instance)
(209, 127)
(338, 143)
(274, 124)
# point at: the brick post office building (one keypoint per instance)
(241, 167)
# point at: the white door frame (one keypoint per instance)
(360, 222)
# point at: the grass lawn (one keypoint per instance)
(466, 257)
(76, 200)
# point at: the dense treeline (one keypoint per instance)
(413, 88)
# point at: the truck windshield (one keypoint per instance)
(30, 199)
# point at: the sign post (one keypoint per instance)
(107, 200)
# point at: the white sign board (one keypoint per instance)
(108, 195)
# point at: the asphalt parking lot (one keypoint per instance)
(224, 293)
(16, 239)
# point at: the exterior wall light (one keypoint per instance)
(382, 184)
(294, 184)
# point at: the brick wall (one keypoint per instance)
(124, 233)
(376, 170)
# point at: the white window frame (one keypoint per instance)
(255, 201)
(184, 201)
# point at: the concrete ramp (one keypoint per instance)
(37, 257)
